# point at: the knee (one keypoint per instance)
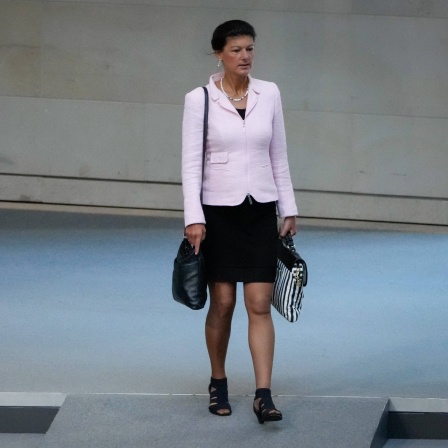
(223, 306)
(260, 307)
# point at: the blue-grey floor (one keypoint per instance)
(86, 307)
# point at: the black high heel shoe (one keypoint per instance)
(219, 398)
(266, 412)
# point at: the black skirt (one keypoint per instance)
(241, 242)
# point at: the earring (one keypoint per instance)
(220, 63)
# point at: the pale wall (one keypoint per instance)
(91, 96)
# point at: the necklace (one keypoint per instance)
(234, 99)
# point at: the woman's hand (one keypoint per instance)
(195, 234)
(289, 226)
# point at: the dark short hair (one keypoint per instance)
(231, 28)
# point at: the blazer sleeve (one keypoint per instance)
(192, 135)
(286, 204)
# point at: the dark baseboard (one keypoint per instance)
(418, 425)
(26, 419)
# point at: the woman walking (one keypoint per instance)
(246, 182)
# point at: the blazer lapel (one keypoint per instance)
(225, 103)
(253, 96)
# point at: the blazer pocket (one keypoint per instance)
(219, 160)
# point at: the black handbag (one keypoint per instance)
(291, 277)
(189, 283)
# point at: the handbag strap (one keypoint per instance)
(204, 134)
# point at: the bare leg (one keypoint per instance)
(218, 325)
(217, 334)
(257, 297)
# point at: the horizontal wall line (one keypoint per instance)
(91, 179)
(304, 220)
(246, 9)
(152, 182)
(313, 111)
(93, 206)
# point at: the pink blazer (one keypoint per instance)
(243, 157)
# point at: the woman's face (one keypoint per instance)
(237, 55)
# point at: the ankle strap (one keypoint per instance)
(262, 393)
(218, 381)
